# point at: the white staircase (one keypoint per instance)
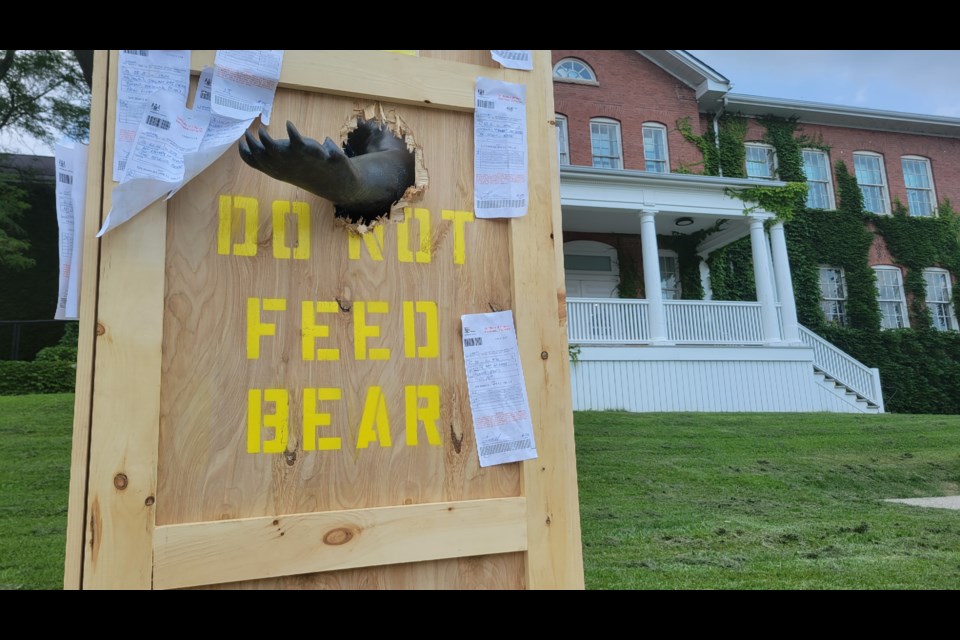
(843, 375)
(861, 404)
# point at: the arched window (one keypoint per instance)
(605, 143)
(591, 269)
(563, 139)
(872, 179)
(893, 304)
(833, 294)
(921, 199)
(940, 299)
(816, 168)
(655, 148)
(761, 161)
(573, 70)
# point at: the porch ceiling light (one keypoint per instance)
(684, 222)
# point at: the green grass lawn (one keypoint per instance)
(769, 501)
(35, 434)
(668, 501)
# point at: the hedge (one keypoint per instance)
(21, 378)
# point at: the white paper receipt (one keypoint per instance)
(167, 132)
(500, 143)
(498, 396)
(244, 82)
(142, 73)
(71, 160)
(514, 58)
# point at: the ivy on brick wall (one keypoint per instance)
(631, 284)
(848, 191)
(919, 367)
(730, 156)
(836, 239)
(691, 288)
(919, 243)
(631, 280)
(731, 272)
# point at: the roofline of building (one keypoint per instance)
(709, 85)
(842, 116)
(713, 93)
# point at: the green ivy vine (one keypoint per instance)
(783, 201)
(920, 243)
(691, 288)
(731, 155)
(920, 367)
(848, 191)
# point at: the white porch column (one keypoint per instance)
(705, 281)
(761, 277)
(651, 277)
(781, 270)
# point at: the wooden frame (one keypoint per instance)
(114, 540)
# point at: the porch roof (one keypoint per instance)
(610, 201)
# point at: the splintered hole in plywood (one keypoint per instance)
(396, 125)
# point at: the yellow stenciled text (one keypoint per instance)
(239, 225)
(268, 419)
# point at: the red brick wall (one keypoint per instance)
(879, 253)
(943, 153)
(632, 90)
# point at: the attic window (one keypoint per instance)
(573, 70)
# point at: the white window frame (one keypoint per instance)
(563, 139)
(833, 303)
(616, 161)
(891, 297)
(828, 183)
(942, 312)
(931, 193)
(882, 185)
(675, 292)
(662, 165)
(771, 162)
(572, 63)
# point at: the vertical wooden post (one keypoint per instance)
(554, 556)
(96, 170)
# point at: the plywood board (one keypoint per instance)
(260, 363)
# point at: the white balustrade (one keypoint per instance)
(714, 322)
(619, 321)
(842, 367)
(603, 320)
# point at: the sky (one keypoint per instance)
(925, 82)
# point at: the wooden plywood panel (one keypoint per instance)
(206, 472)
(213, 409)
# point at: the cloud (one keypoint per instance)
(909, 81)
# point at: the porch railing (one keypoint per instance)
(713, 322)
(599, 320)
(843, 367)
(616, 321)
(602, 320)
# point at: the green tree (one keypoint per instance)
(43, 93)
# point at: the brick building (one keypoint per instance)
(677, 300)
